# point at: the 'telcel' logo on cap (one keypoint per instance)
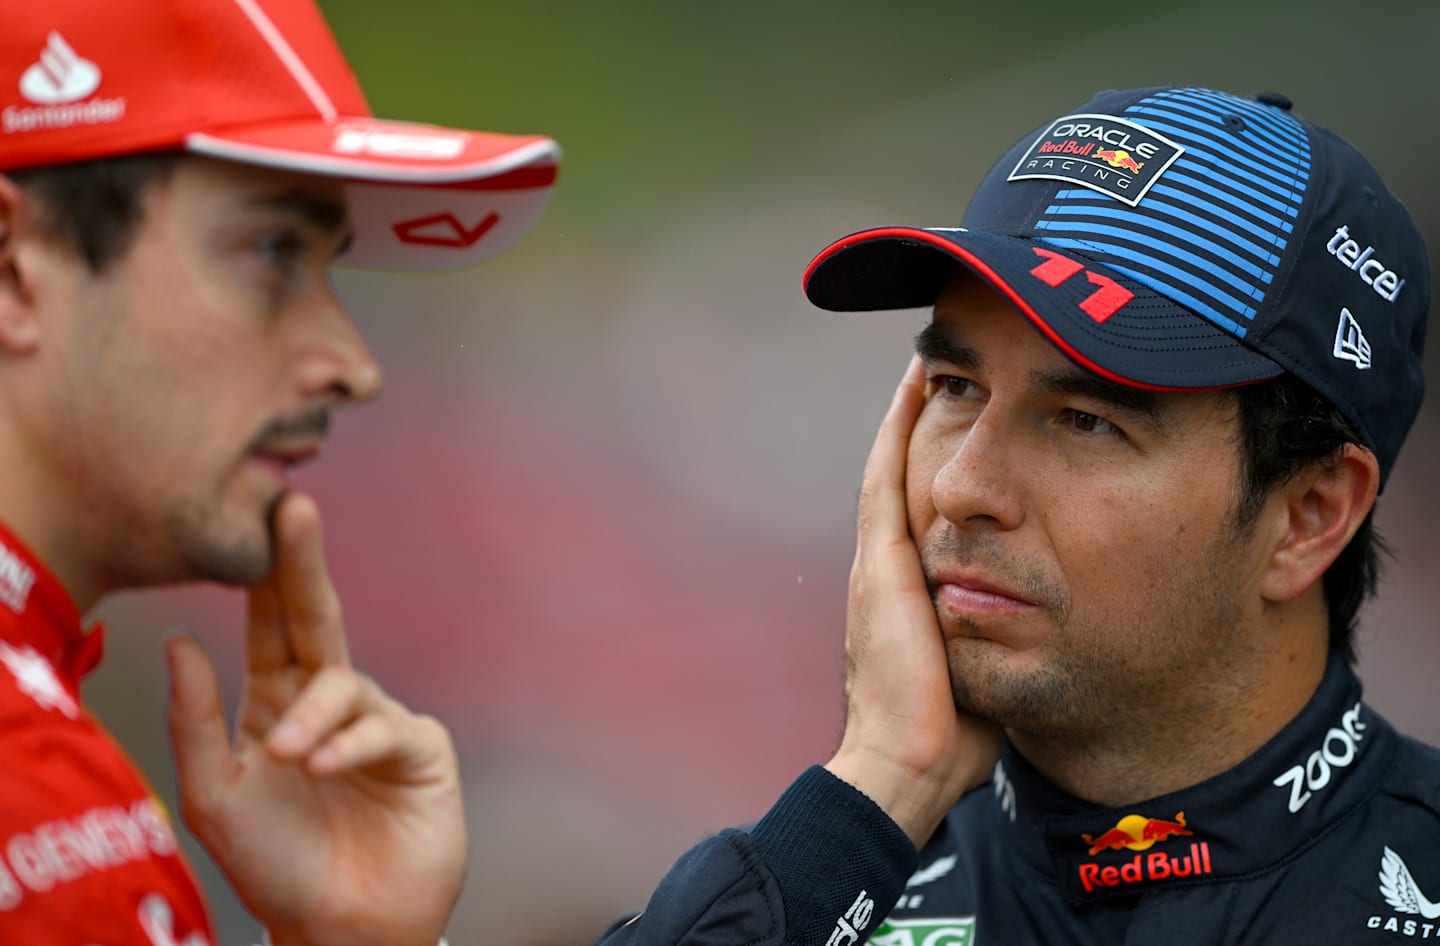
(1101, 152)
(1385, 281)
(60, 75)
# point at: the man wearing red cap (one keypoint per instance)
(176, 179)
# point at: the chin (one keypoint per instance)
(221, 549)
(234, 563)
(1015, 689)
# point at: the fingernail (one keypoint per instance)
(288, 737)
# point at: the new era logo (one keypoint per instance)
(1350, 342)
(60, 75)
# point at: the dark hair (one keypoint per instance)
(95, 206)
(1286, 427)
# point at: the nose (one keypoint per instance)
(337, 366)
(977, 486)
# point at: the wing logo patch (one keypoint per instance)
(1415, 913)
(1399, 889)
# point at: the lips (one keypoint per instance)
(973, 596)
(288, 455)
(977, 584)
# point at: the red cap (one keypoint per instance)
(261, 82)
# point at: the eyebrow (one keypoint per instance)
(1074, 381)
(934, 344)
(323, 213)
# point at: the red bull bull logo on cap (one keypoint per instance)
(1139, 833)
(1117, 158)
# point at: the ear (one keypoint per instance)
(19, 322)
(1322, 508)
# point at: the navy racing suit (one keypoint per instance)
(1328, 834)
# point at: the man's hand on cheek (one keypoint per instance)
(905, 744)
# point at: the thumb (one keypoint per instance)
(196, 718)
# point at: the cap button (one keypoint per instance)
(1275, 99)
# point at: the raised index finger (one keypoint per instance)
(882, 513)
(267, 641)
(315, 631)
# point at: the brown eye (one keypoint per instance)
(1092, 424)
(952, 386)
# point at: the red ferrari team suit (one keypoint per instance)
(88, 856)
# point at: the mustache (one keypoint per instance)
(309, 425)
(951, 548)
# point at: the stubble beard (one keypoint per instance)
(1069, 691)
(211, 546)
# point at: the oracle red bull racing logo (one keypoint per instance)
(1139, 833)
(1102, 152)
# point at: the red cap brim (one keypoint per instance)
(421, 197)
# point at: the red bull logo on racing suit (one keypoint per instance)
(1139, 833)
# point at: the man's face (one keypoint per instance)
(1080, 537)
(181, 382)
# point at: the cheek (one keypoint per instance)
(152, 422)
(1138, 540)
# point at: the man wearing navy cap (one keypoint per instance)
(177, 178)
(1121, 509)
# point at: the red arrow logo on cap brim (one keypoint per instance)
(458, 238)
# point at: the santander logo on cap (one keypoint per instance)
(60, 75)
(60, 84)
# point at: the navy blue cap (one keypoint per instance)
(1183, 239)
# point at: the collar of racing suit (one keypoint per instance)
(1313, 773)
(39, 618)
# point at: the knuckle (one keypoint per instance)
(431, 729)
(346, 680)
(331, 680)
(348, 742)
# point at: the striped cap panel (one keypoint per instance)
(1212, 230)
